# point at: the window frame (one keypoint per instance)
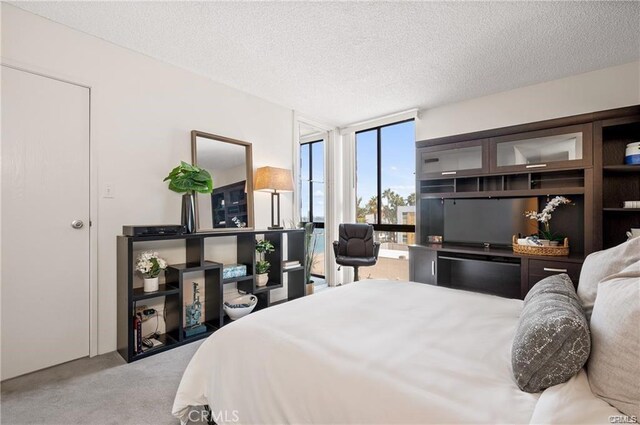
(318, 224)
(379, 226)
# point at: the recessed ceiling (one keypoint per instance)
(344, 62)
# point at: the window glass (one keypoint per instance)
(367, 176)
(397, 176)
(385, 168)
(304, 163)
(317, 268)
(393, 260)
(317, 149)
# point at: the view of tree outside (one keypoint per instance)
(394, 181)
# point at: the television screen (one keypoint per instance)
(491, 221)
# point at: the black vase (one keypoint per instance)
(188, 213)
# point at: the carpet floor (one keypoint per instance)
(98, 390)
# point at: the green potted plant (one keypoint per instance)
(263, 246)
(310, 240)
(188, 179)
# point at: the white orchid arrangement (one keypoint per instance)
(544, 217)
(150, 264)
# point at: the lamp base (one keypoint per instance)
(275, 227)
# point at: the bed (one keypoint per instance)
(376, 352)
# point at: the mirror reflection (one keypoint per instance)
(230, 205)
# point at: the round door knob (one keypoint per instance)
(77, 224)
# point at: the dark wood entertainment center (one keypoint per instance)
(583, 159)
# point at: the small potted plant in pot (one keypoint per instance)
(262, 266)
(547, 237)
(188, 179)
(150, 265)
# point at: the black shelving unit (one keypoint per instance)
(175, 280)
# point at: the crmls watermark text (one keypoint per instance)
(220, 416)
(623, 419)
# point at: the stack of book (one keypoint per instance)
(290, 264)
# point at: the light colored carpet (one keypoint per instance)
(100, 390)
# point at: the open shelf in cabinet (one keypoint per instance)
(168, 342)
(620, 181)
(163, 290)
(621, 168)
(552, 182)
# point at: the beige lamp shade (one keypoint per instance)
(272, 179)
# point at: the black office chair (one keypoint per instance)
(356, 247)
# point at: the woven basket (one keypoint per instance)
(555, 251)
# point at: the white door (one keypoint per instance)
(45, 188)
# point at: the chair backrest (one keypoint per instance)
(355, 240)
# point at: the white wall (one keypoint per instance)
(593, 91)
(142, 112)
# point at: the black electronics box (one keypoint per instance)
(154, 230)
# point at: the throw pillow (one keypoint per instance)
(599, 265)
(614, 365)
(552, 341)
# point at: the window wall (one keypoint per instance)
(385, 195)
(312, 197)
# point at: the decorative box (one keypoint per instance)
(233, 270)
(632, 154)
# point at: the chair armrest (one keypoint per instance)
(336, 244)
(376, 249)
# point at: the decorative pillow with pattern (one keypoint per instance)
(552, 342)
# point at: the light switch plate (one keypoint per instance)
(108, 192)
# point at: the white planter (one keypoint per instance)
(150, 284)
(262, 279)
(234, 312)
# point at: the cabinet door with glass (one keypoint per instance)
(562, 147)
(451, 160)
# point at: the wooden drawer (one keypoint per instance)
(539, 269)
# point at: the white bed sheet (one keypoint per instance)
(372, 352)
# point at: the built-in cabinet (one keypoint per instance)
(581, 157)
(458, 159)
(554, 148)
(492, 271)
(616, 181)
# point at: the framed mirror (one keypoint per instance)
(230, 205)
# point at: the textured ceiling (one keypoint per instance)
(349, 61)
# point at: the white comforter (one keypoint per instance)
(376, 352)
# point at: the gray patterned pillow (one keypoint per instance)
(552, 342)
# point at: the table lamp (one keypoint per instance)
(273, 180)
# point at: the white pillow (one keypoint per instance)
(600, 265)
(614, 364)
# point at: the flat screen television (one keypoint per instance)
(491, 221)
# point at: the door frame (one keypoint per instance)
(93, 193)
(330, 219)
